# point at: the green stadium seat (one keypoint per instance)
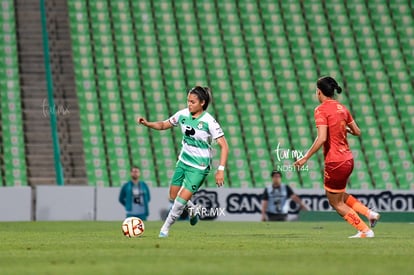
(13, 148)
(262, 71)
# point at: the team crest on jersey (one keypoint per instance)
(200, 125)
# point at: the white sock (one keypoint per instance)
(190, 204)
(176, 211)
(372, 215)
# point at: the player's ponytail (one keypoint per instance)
(336, 86)
(208, 97)
(328, 86)
(203, 94)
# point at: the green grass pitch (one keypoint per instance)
(207, 248)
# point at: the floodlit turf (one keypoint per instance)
(207, 248)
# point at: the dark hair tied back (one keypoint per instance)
(203, 94)
(328, 85)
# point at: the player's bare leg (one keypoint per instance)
(191, 207)
(336, 200)
(360, 208)
(174, 189)
(177, 209)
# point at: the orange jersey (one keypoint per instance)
(336, 116)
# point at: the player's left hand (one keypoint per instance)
(300, 162)
(219, 178)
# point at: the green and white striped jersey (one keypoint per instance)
(198, 133)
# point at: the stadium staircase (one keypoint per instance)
(35, 107)
(261, 59)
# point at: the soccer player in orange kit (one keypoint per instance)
(334, 121)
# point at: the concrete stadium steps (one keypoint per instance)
(36, 110)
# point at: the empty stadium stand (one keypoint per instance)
(261, 58)
(12, 149)
(32, 94)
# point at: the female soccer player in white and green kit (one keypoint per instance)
(199, 129)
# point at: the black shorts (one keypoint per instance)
(276, 217)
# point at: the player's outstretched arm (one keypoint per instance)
(319, 141)
(158, 125)
(222, 142)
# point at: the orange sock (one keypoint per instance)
(357, 206)
(353, 219)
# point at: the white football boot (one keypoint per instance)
(360, 234)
